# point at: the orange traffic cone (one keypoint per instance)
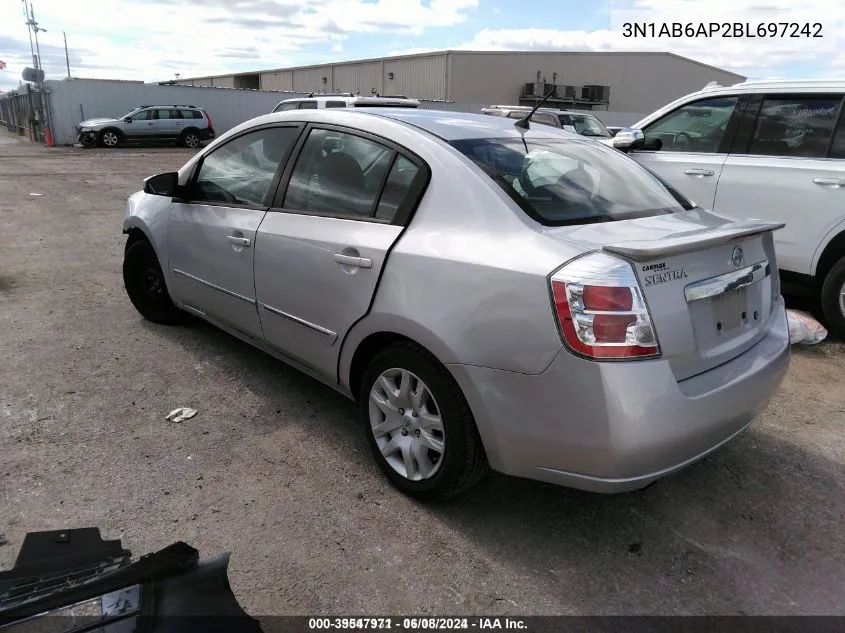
(48, 137)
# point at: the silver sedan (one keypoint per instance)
(491, 296)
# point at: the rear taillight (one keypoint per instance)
(208, 118)
(600, 309)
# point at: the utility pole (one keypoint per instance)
(43, 93)
(67, 59)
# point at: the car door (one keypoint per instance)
(211, 232)
(320, 250)
(141, 126)
(695, 139)
(784, 168)
(165, 124)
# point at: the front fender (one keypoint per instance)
(148, 214)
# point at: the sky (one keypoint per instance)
(154, 40)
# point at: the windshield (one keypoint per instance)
(131, 112)
(585, 124)
(559, 182)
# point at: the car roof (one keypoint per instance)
(543, 110)
(453, 126)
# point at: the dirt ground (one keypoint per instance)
(273, 468)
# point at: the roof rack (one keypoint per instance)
(330, 94)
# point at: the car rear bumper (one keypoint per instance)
(618, 426)
(207, 134)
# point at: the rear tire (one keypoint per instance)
(441, 419)
(190, 139)
(833, 299)
(110, 138)
(145, 285)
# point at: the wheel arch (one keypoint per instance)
(833, 251)
(368, 348)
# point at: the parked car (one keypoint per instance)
(345, 100)
(528, 300)
(773, 150)
(580, 122)
(185, 124)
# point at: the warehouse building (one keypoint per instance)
(618, 82)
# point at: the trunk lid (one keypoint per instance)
(710, 283)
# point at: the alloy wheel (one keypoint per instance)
(406, 424)
(110, 139)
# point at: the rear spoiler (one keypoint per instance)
(699, 240)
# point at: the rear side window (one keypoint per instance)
(335, 104)
(307, 105)
(560, 182)
(837, 149)
(397, 189)
(190, 114)
(338, 174)
(795, 126)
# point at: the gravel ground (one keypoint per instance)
(273, 468)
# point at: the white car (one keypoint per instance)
(345, 100)
(774, 151)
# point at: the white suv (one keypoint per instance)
(344, 100)
(772, 150)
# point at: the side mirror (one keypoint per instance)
(165, 184)
(127, 119)
(628, 139)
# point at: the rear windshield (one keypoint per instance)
(559, 182)
(585, 124)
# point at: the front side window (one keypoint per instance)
(795, 126)
(695, 127)
(143, 115)
(560, 182)
(307, 105)
(339, 174)
(241, 171)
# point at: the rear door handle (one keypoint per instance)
(831, 182)
(698, 172)
(239, 241)
(350, 260)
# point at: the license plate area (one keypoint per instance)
(730, 311)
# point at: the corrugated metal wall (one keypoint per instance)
(419, 77)
(77, 99)
(310, 79)
(282, 80)
(363, 78)
(638, 82)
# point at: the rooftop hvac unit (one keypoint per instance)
(528, 91)
(596, 93)
(567, 92)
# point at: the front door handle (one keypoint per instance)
(831, 182)
(350, 260)
(698, 172)
(239, 241)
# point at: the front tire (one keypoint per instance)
(145, 285)
(110, 138)
(833, 299)
(418, 424)
(191, 139)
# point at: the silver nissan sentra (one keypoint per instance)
(526, 300)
